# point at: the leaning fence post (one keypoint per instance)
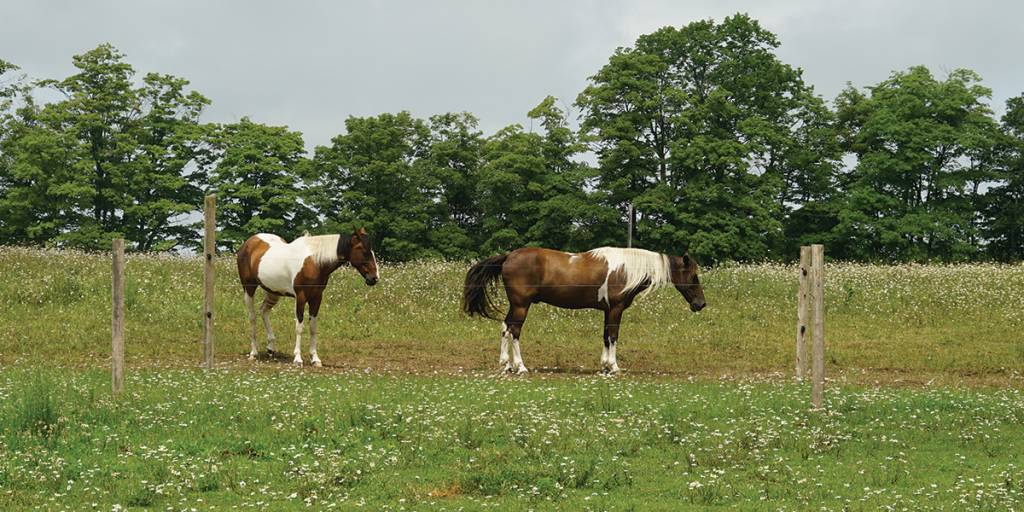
(818, 329)
(117, 318)
(801, 313)
(209, 250)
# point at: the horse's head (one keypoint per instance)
(684, 276)
(357, 250)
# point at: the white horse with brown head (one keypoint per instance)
(299, 269)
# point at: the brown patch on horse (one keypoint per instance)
(248, 261)
(312, 276)
(561, 279)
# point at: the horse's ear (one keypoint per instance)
(686, 258)
(361, 232)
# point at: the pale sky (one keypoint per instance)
(310, 65)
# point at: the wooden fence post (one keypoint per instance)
(801, 312)
(818, 329)
(209, 251)
(117, 319)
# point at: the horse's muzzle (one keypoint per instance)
(697, 306)
(372, 280)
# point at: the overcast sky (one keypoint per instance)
(309, 65)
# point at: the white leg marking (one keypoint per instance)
(503, 359)
(298, 342)
(614, 366)
(604, 357)
(252, 324)
(268, 304)
(315, 359)
(517, 358)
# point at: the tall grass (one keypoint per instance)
(904, 322)
(34, 410)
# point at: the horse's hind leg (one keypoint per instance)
(251, 309)
(300, 312)
(268, 303)
(503, 360)
(514, 322)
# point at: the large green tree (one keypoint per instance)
(924, 147)
(261, 178)
(44, 194)
(370, 177)
(705, 131)
(37, 178)
(1005, 201)
(533, 191)
(107, 158)
(451, 170)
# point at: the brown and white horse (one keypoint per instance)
(298, 269)
(608, 278)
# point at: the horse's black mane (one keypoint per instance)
(345, 244)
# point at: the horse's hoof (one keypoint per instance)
(522, 370)
(297, 362)
(252, 356)
(317, 363)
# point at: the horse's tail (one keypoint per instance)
(476, 299)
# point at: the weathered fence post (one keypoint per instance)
(801, 313)
(209, 251)
(117, 319)
(818, 322)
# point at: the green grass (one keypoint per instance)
(184, 438)
(408, 413)
(904, 322)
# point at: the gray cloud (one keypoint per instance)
(309, 65)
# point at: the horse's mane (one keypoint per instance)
(324, 248)
(639, 266)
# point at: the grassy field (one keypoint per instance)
(907, 322)
(183, 439)
(925, 405)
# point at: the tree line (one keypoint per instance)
(720, 147)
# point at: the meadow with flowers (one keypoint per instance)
(924, 404)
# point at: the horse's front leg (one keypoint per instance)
(612, 319)
(300, 313)
(604, 338)
(314, 309)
